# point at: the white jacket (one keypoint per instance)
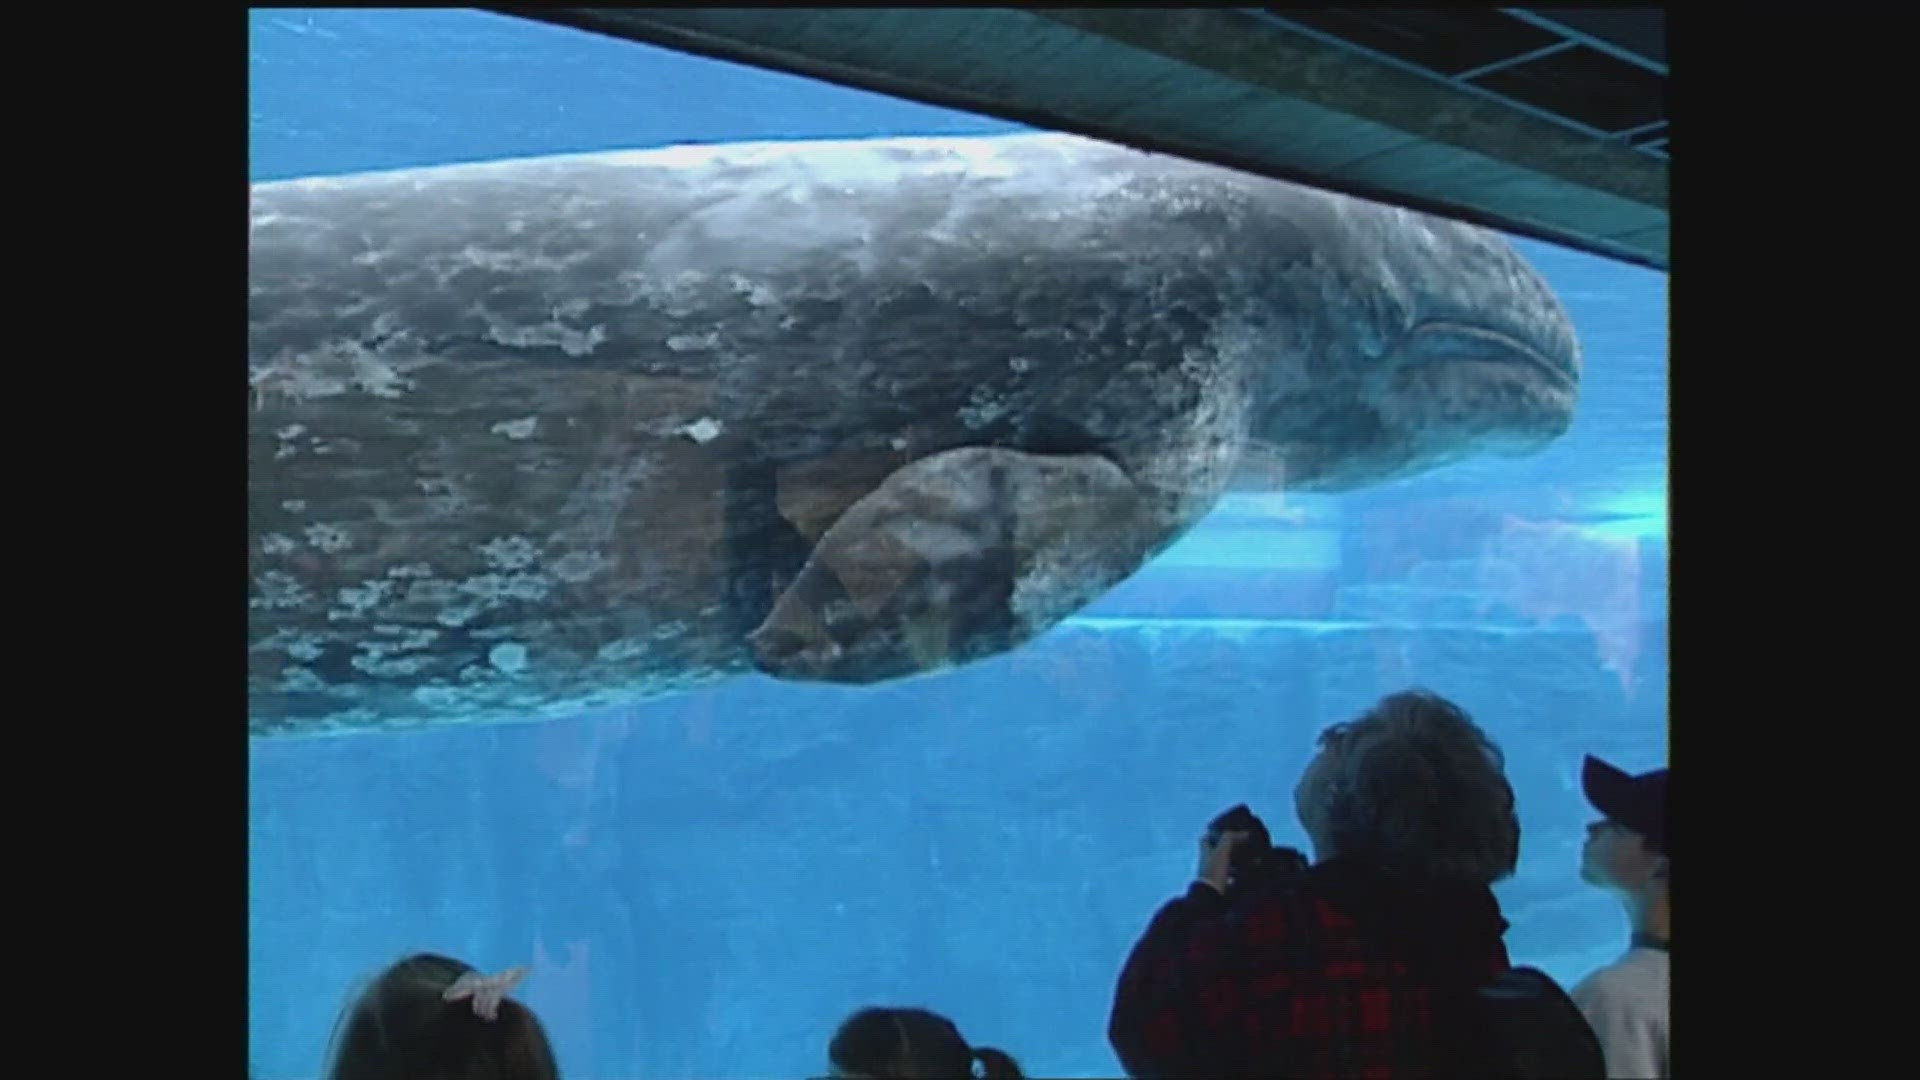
(1626, 1002)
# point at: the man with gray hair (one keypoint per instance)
(1368, 962)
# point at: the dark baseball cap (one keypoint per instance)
(1637, 802)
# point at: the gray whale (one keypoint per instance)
(535, 436)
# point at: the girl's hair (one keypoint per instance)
(401, 1027)
(912, 1044)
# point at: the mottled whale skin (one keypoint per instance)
(535, 436)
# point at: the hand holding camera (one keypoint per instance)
(1237, 849)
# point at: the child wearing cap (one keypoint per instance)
(1626, 854)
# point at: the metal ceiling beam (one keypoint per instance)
(1211, 84)
(1527, 57)
(1586, 28)
(1460, 83)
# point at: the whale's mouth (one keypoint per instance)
(1444, 341)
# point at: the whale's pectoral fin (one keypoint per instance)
(954, 558)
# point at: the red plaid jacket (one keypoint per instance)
(1287, 982)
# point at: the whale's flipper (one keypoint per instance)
(956, 557)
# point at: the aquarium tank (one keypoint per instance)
(704, 884)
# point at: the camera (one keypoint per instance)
(1254, 858)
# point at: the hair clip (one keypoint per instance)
(487, 991)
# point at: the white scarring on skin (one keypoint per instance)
(702, 431)
(328, 538)
(510, 553)
(510, 658)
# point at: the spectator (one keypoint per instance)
(429, 1017)
(1626, 854)
(1332, 970)
(911, 1044)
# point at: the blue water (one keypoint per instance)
(704, 886)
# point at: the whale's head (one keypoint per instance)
(1396, 342)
